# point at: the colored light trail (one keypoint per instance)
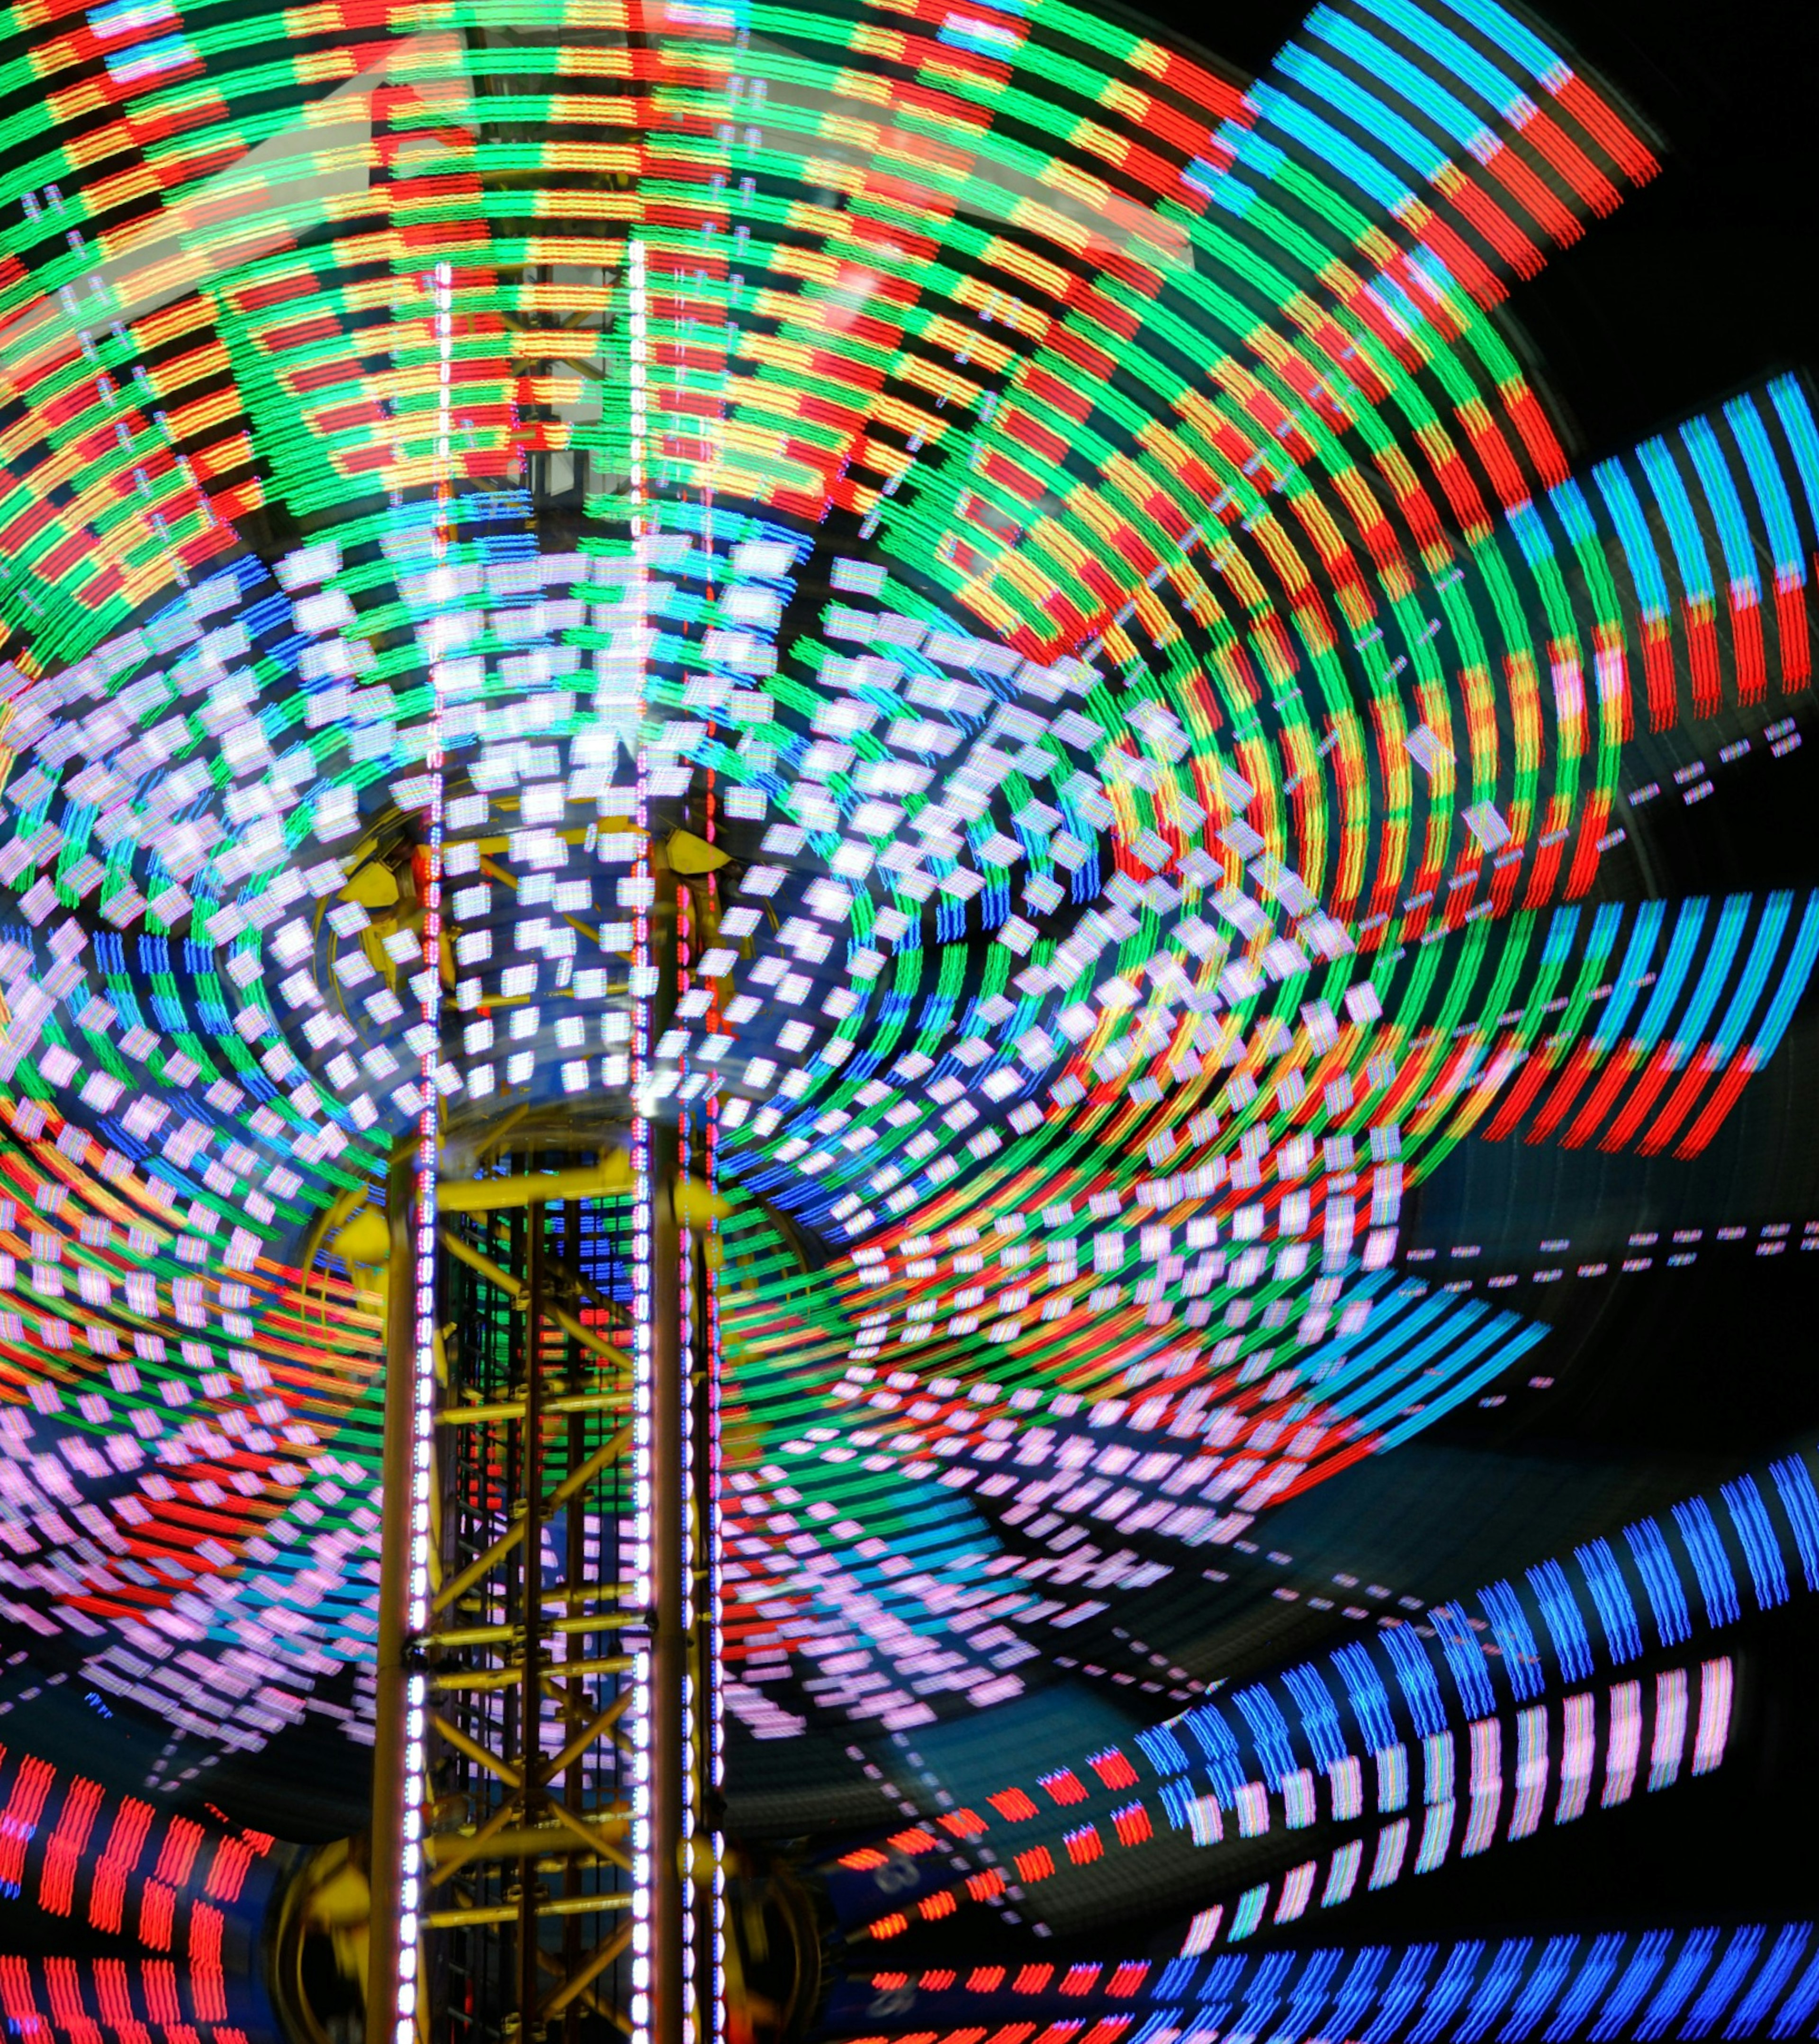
(1171, 720)
(1753, 1978)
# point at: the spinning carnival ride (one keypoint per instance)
(770, 776)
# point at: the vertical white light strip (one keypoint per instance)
(686, 1163)
(643, 985)
(428, 985)
(716, 1728)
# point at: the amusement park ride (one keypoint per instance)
(771, 775)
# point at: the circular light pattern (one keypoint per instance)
(1073, 528)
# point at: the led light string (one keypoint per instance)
(643, 987)
(423, 1203)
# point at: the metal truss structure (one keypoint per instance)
(545, 1737)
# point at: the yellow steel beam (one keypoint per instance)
(582, 1182)
(503, 1129)
(587, 1998)
(695, 1202)
(464, 1252)
(482, 1564)
(577, 1983)
(447, 1852)
(588, 1735)
(501, 1636)
(507, 1912)
(579, 1402)
(587, 1835)
(476, 1416)
(579, 1478)
(586, 1336)
(526, 1840)
(589, 1401)
(511, 1776)
(482, 1679)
